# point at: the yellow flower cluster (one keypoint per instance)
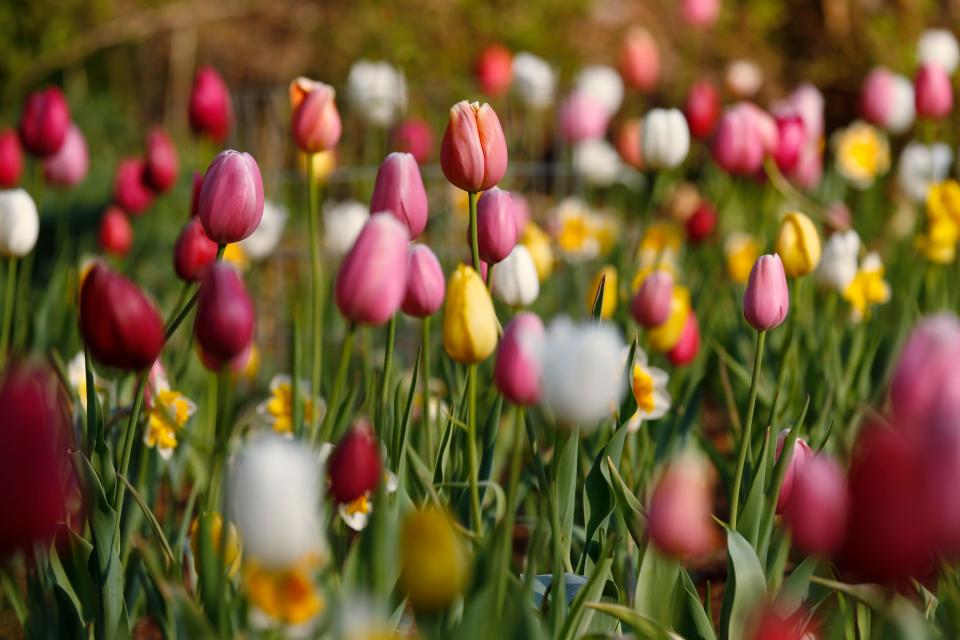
(939, 242)
(168, 414)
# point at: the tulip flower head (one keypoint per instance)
(665, 336)
(628, 143)
(702, 109)
(44, 122)
(887, 100)
(767, 299)
(534, 81)
(939, 46)
(517, 372)
(355, 467)
(415, 137)
(934, 93)
(11, 159)
(494, 70)
(597, 162)
(679, 512)
(688, 344)
(231, 198)
(425, 283)
(225, 316)
(115, 235)
(315, 121)
(651, 304)
(69, 165)
(665, 138)
(210, 111)
(193, 252)
(473, 154)
(377, 91)
(640, 60)
(816, 511)
(19, 223)
(701, 223)
(581, 117)
(162, 164)
(469, 319)
(496, 225)
(801, 454)
(700, 14)
(798, 244)
(515, 280)
(399, 189)
(130, 189)
(435, 563)
(931, 352)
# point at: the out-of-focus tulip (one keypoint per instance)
(628, 142)
(801, 454)
(688, 345)
(679, 511)
(130, 189)
(702, 109)
(372, 280)
(473, 154)
(210, 111)
(650, 306)
(494, 70)
(115, 234)
(517, 372)
(701, 224)
(435, 563)
(399, 189)
(19, 223)
(11, 159)
(791, 136)
(377, 91)
(231, 198)
(666, 335)
(938, 46)
(739, 146)
(603, 85)
(225, 315)
(469, 320)
(425, 283)
(533, 80)
(580, 118)
(597, 162)
(193, 252)
(68, 166)
(816, 512)
(921, 166)
(743, 78)
(767, 299)
(315, 121)
(264, 240)
(496, 225)
(640, 60)
(521, 212)
(515, 280)
(665, 138)
(930, 358)
(798, 244)
(772, 625)
(611, 295)
(700, 13)
(838, 264)
(162, 164)
(887, 100)
(354, 466)
(120, 325)
(940, 450)
(44, 122)
(537, 242)
(934, 93)
(342, 223)
(415, 137)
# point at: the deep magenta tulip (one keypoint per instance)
(650, 305)
(315, 120)
(193, 252)
(231, 198)
(115, 234)
(210, 111)
(225, 315)
(701, 223)
(399, 190)
(517, 372)
(679, 512)
(702, 109)
(801, 454)
(496, 225)
(130, 189)
(791, 138)
(120, 325)
(494, 70)
(767, 299)
(162, 165)
(44, 123)
(355, 467)
(581, 118)
(415, 137)
(473, 154)
(933, 92)
(816, 513)
(11, 159)
(688, 345)
(69, 165)
(930, 358)
(425, 283)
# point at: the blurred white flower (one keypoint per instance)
(665, 138)
(597, 162)
(19, 223)
(342, 223)
(377, 91)
(903, 108)
(744, 78)
(603, 84)
(938, 46)
(920, 166)
(838, 263)
(533, 80)
(515, 280)
(263, 241)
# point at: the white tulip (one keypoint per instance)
(534, 81)
(515, 280)
(19, 223)
(920, 166)
(262, 242)
(903, 108)
(603, 84)
(939, 46)
(838, 263)
(597, 162)
(342, 223)
(744, 78)
(378, 91)
(666, 138)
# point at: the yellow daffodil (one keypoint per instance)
(537, 242)
(868, 288)
(277, 410)
(234, 550)
(939, 243)
(576, 231)
(469, 320)
(943, 201)
(435, 562)
(169, 412)
(665, 337)
(606, 229)
(798, 244)
(649, 385)
(608, 305)
(862, 153)
(236, 255)
(287, 596)
(660, 244)
(356, 514)
(741, 251)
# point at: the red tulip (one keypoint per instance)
(415, 137)
(161, 161)
(640, 60)
(701, 223)
(225, 315)
(933, 92)
(130, 189)
(211, 113)
(702, 109)
(494, 70)
(194, 251)
(11, 159)
(115, 234)
(44, 123)
(801, 453)
(231, 198)
(688, 345)
(355, 467)
(772, 625)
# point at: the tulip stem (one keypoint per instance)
(129, 437)
(474, 243)
(425, 389)
(316, 301)
(472, 448)
(8, 297)
(509, 518)
(184, 311)
(746, 433)
(387, 365)
(338, 383)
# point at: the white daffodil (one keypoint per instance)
(649, 386)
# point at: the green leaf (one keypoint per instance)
(598, 299)
(746, 587)
(400, 448)
(566, 483)
(577, 619)
(749, 524)
(645, 626)
(170, 558)
(630, 508)
(700, 618)
(795, 587)
(654, 596)
(598, 503)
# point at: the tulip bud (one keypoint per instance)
(68, 166)
(517, 372)
(496, 226)
(425, 283)
(44, 122)
(372, 280)
(195, 194)
(700, 14)
(19, 223)
(225, 315)
(666, 138)
(887, 99)
(130, 189)
(651, 304)
(665, 336)
(515, 280)
(742, 138)
(679, 512)
(934, 93)
(473, 154)
(193, 252)
(415, 137)
(801, 454)
(494, 70)
(469, 320)
(581, 117)
(688, 344)
(772, 625)
(161, 161)
(798, 244)
(120, 325)
(767, 299)
(702, 109)
(115, 234)
(210, 111)
(399, 190)
(11, 159)
(231, 198)
(640, 60)
(816, 512)
(931, 353)
(608, 304)
(435, 562)
(629, 144)
(355, 467)
(315, 121)
(701, 223)
(791, 138)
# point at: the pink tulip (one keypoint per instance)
(473, 154)
(415, 137)
(496, 225)
(231, 198)
(115, 234)
(808, 171)
(679, 510)
(629, 144)
(700, 13)
(767, 299)
(741, 142)
(688, 345)
(130, 189)
(11, 159)
(425, 283)
(193, 252)
(791, 138)
(877, 97)
(69, 165)
(930, 358)
(521, 212)
(494, 70)
(650, 306)
(582, 118)
(934, 94)
(372, 280)
(211, 112)
(44, 123)
(801, 454)
(399, 190)
(161, 160)
(816, 513)
(640, 60)
(517, 371)
(701, 223)
(702, 109)
(225, 316)
(315, 121)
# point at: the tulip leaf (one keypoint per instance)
(628, 406)
(597, 308)
(566, 487)
(577, 619)
(62, 580)
(746, 587)
(630, 508)
(695, 607)
(399, 448)
(749, 524)
(152, 521)
(795, 587)
(654, 596)
(598, 503)
(645, 626)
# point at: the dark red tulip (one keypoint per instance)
(702, 109)
(161, 161)
(211, 113)
(195, 195)
(11, 159)
(701, 223)
(770, 624)
(44, 123)
(355, 466)
(194, 251)
(225, 316)
(130, 188)
(115, 234)
(415, 137)
(816, 511)
(120, 325)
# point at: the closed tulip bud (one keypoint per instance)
(44, 122)
(688, 345)
(665, 138)
(115, 234)
(473, 154)
(231, 198)
(517, 372)
(744, 135)
(469, 320)
(608, 304)
(798, 244)
(515, 280)
(767, 299)
(700, 14)
(496, 226)
(665, 336)
(162, 165)
(11, 159)
(195, 194)
(801, 454)
(887, 99)
(931, 353)
(68, 166)
(193, 252)
(629, 144)
(354, 466)
(399, 189)
(372, 280)
(19, 223)
(494, 70)
(315, 121)
(791, 138)
(678, 517)
(211, 113)
(415, 137)
(120, 325)
(816, 513)
(934, 93)
(435, 563)
(581, 118)
(640, 60)
(702, 109)
(701, 224)
(225, 315)
(651, 304)
(425, 283)
(130, 189)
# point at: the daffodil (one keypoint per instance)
(234, 549)
(169, 412)
(277, 410)
(537, 242)
(741, 251)
(868, 288)
(660, 245)
(943, 201)
(575, 230)
(287, 597)
(356, 514)
(77, 377)
(649, 386)
(939, 242)
(236, 255)
(862, 154)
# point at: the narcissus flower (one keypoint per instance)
(473, 154)
(741, 251)
(611, 294)
(537, 243)
(469, 320)
(939, 241)
(868, 288)
(798, 244)
(169, 413)
(288, 596)
(920, 166)
(77, 377)
(862, 154)
(435, 563)
(277, 410)
(649, 386)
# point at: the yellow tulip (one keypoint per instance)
(435, 562)
(798, 244)
(234, 550)
(939, 243)
(538, 243)
(610, 292)
(666, 336)
(943, 201)
(469, 320)
(741, 251)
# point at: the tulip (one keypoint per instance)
(231, 198)
(115, 234)
(640, 60)
(211, 112)
(130, 189)
(666, 138)
(377, 92)
(678, 516)
(702, 109)
(342, 222)
(940, 450)
(533, 80)
(816, 512)
(225, 316)
(887, 100)
(473, 154)
(629, 144)
(521, 212)
(773, 625)
(11, 159)
(515, 280)
(496, 226)
(494, 70)
(19, 223)
(603, 85)
(929, 359)
(399, 189)
(469, 320)
(939, 46)
(161, 161)
(921, 166)
(701, 224)
(665, 336)
(700, 14)
(580, 118)
(120, 325)
(354, 466)
(68, 166)
(608, 303)
(425, 283)
(415, 137)
(743, 78)
(315, 121)
(517, 371)
(372, 280)
(738, 146)
(651, 305)
(798, 244)
(838, 264)
(801, 454)
(791, 137)
(193, 252)
(597, 162)
(934, 93)
(767, 299)
(44, 122)
(435, 563)
(688, 344)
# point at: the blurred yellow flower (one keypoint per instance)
(236, 255)
(943, 201)
(939, 243)
(77, 377)
(278, 408)
(741, 251)
(234, 550)
(537, 242)
(862, 153)
(435, 562)
(288, 596)
(868, 288)
(798, 244)
(575, 230)
(169, 412)
(324, 162)
(469, 320)
(610, 292)
(660, 244)
(666, 336)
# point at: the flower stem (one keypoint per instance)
(472, 460)
(342, 368)
(746, 435)
(387, 366)
(9, 292)
(510, 516)
(129, 438)
(316, 299)
(181, 315)
(472, 197)
(425, 389)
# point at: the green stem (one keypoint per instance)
(221, 438)
(316, 299)
(338, 383)
(387, 366)
(747, 431)
(472, 196)
(181, 315)
(425, 389)
(510, 517)
(472, 448)
(128, 439)
(8, 297)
